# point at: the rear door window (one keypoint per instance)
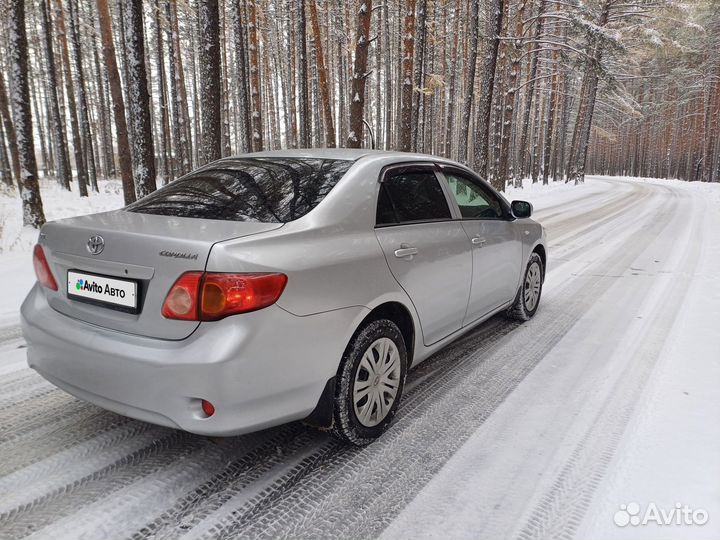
(408, 196)
(267, 190)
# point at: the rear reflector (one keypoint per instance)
(207, 407)
(42, 269)
(210, 296)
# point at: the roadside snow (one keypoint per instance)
(670, 454)
(16, 271)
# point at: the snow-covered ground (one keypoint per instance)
(601, 411)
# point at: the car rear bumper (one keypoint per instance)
(258, 369)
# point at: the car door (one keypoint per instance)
(427, 251)
(496, 246)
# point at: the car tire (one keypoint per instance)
(373, 367)
(528, 295)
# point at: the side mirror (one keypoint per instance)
(521, 209)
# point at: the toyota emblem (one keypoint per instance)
(96, 244)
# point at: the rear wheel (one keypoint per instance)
(370, 383)
(528, 297)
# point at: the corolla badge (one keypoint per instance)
(96, 244)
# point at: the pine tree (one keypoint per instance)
(359, 77)
(77, 144)
(9, 130)
(121, 132)
(32, 206)
(85, 134)
(210, 97)
(142, 149)
(255, 87)
(303, 97)
(61, 152)
(408, 56)
(487, 88)
(323, 83)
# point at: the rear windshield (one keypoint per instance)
(268, 190)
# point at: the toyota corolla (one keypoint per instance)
(278, 286)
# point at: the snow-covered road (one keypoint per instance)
(609, 396)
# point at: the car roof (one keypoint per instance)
(349, 154)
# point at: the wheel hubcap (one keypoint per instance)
(533, 280)
(377, 381)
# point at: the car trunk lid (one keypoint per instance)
(150, 250)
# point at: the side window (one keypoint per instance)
(474, 201)
(409, 196)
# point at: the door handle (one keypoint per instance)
(478, 241)
(405, 251)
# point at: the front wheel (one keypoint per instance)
(528, 297)
(371, 378)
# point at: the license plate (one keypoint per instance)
(102, 290)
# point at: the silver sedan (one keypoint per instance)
(278, 286)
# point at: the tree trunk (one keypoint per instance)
(325, 91)
(524, 157)
(357, 88)
(162, 97)
(505, 173)
(452, 69)
(104, 126)
(482, 137)
(225, 150)
(81, 95)
(581, 135)
(389, 87)
(408, 53)
(255, 88)
(9, 130)
(121, 132)
(61, 152)
(241, 60)
(303, 97)
(72, 104)
(210, 95)
(6, 175)
(552, 106)
(32, 206)
(181, 161)
(143, 155)
(419, 76)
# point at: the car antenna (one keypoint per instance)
(372, 134)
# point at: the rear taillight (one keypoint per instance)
(182, 300)
(209, 296)
(42, 269)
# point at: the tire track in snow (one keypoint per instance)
(561, 508)
(10, 333)
(72, 429)
(183, 462)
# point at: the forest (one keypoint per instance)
(545, 89)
